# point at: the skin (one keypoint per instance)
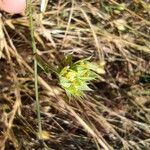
(13, 6)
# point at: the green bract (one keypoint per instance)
(74, 78)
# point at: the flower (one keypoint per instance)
(75, 78)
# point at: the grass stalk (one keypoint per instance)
(31, 25)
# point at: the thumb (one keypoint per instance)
(13, 6)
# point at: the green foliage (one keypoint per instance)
(117, 9)
(75, 78)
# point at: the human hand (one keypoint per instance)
(13, 6)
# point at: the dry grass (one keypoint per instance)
(115, 115)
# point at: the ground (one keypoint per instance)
(115, 114)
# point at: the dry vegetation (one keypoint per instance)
(116, 114)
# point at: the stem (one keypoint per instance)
(35, 68)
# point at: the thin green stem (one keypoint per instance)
(35, 68)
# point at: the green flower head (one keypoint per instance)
(75, 78)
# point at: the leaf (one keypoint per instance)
(44, 66)
(64, 82)
(85, 87)
(64, 70)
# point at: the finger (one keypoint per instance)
(13, 6)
